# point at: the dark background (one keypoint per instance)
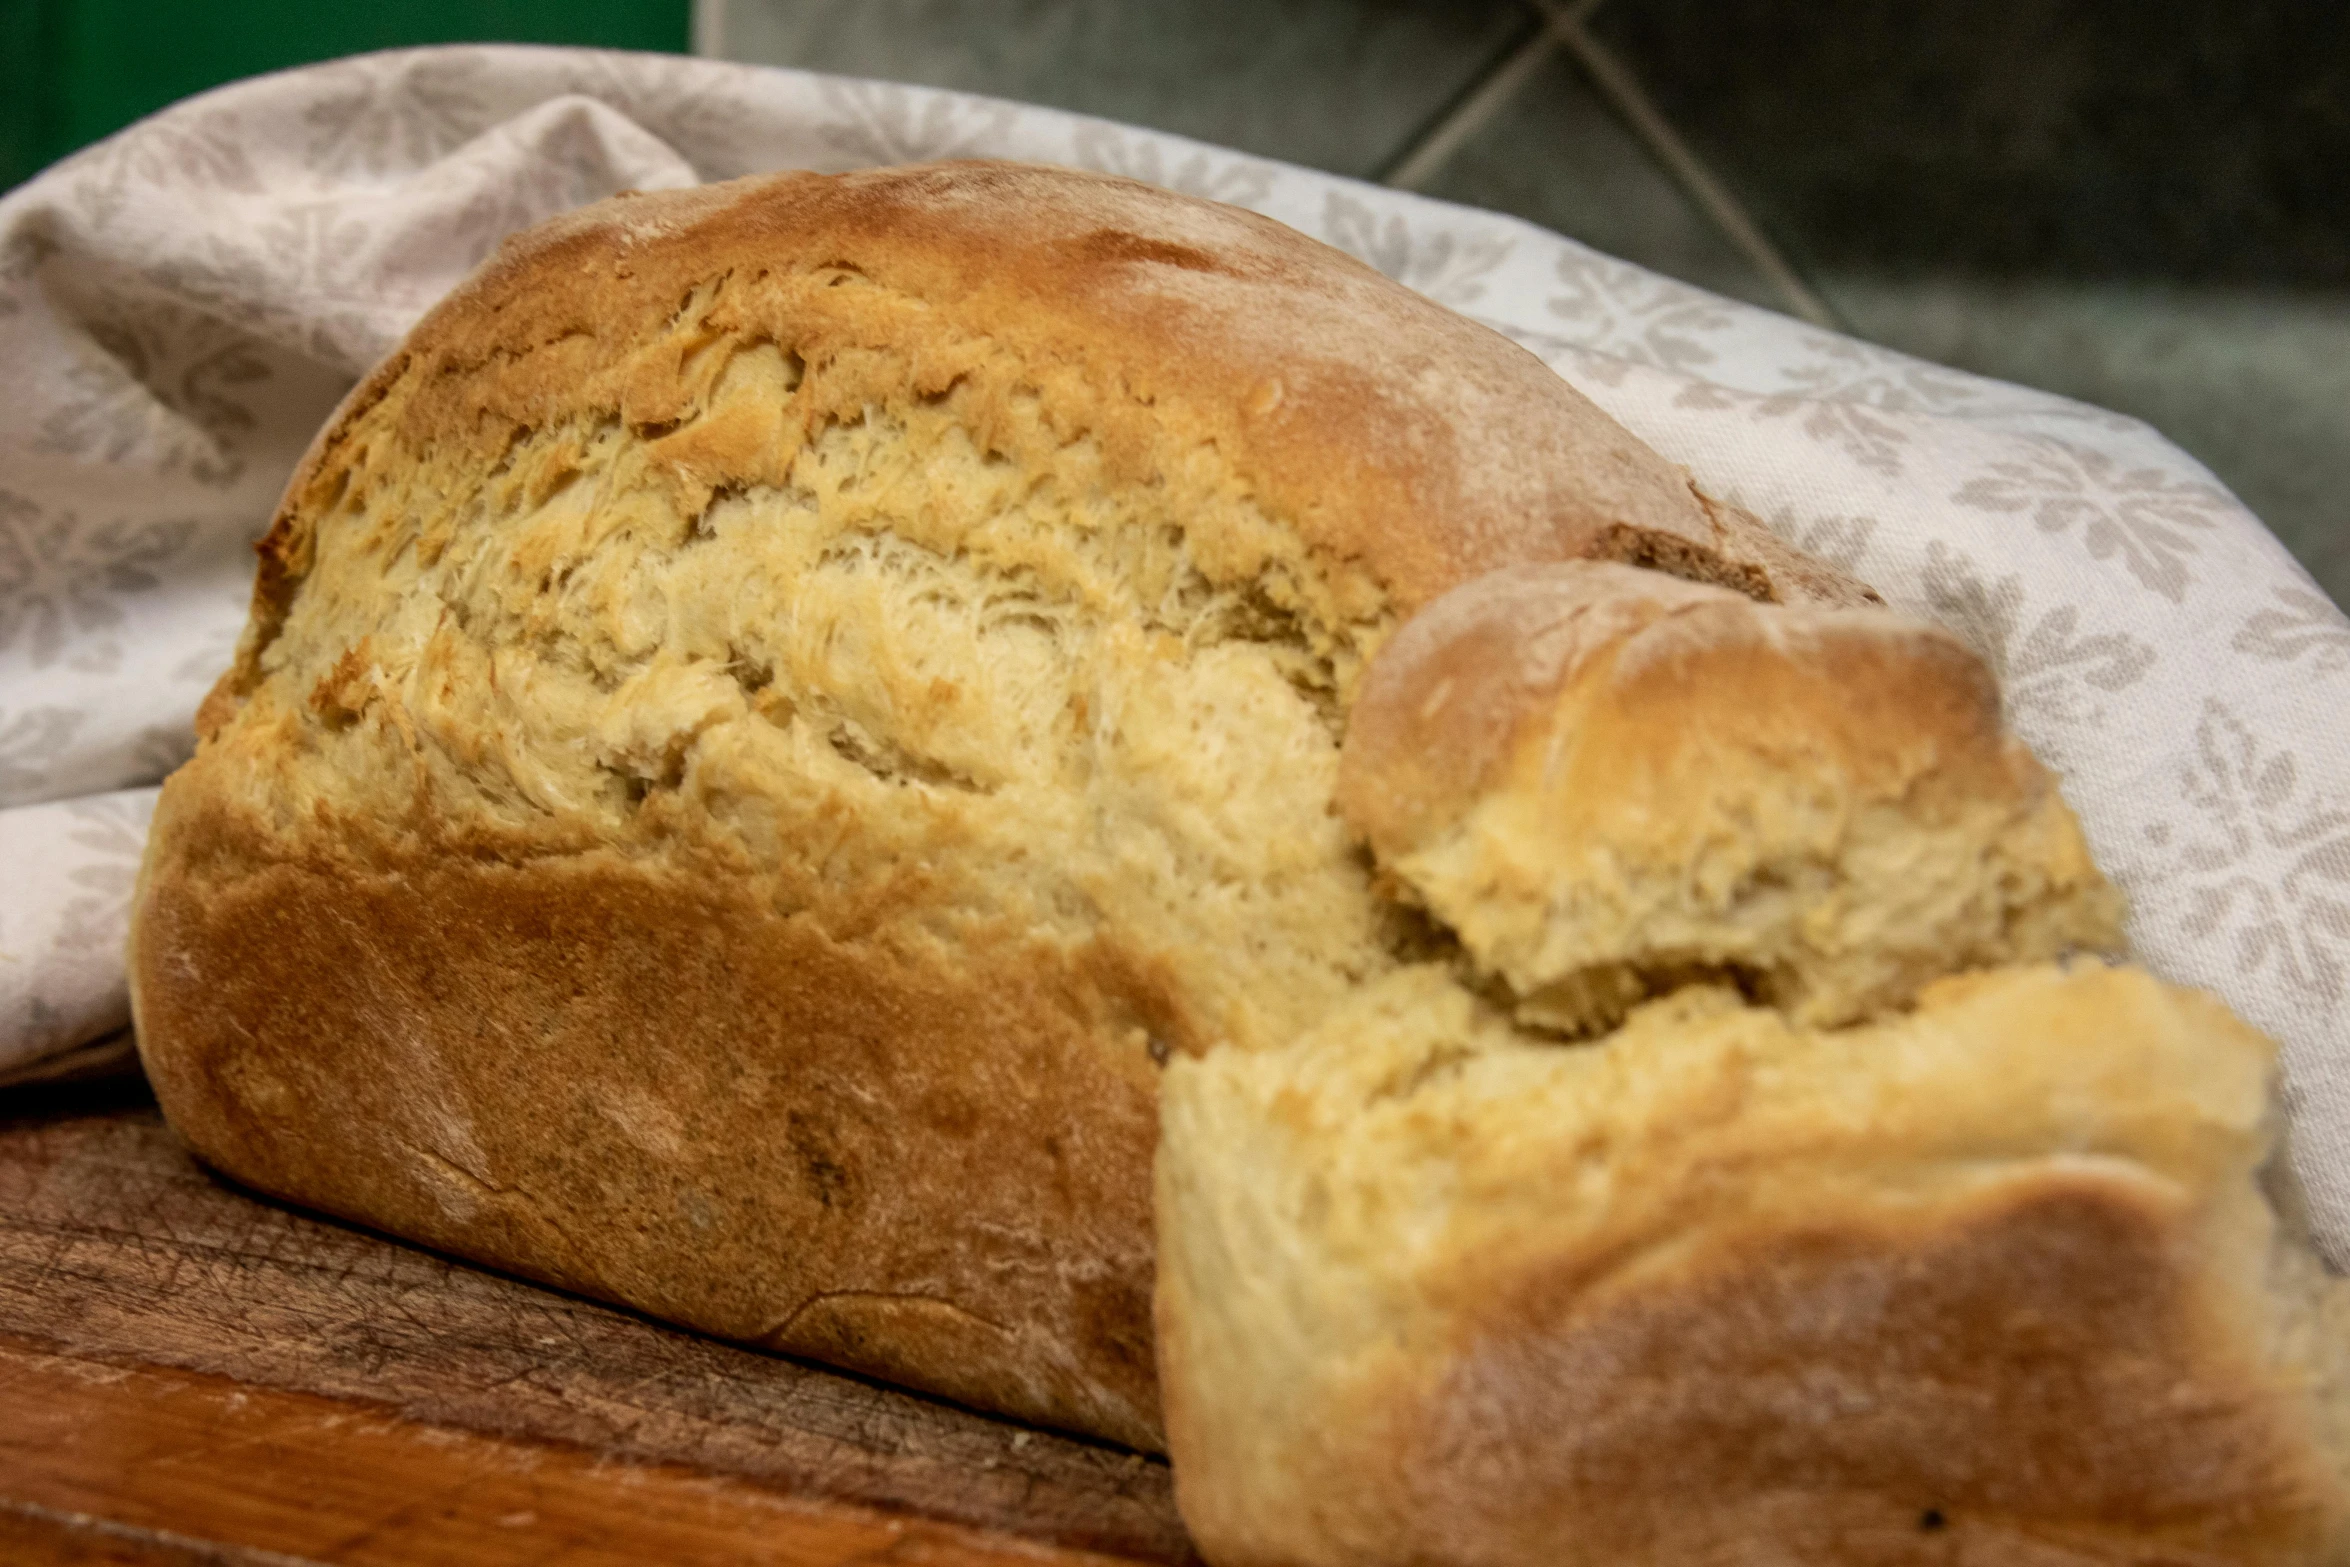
(2139, 203)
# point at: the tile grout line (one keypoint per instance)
(706, 32)
(1427, 156)
(1622, 88)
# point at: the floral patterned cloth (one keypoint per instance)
(181, 305)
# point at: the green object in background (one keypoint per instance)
(72, 71)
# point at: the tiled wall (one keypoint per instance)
(2141, 203)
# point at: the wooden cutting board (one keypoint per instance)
(189, 1373)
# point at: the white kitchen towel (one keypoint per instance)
(181, 305)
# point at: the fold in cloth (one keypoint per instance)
(181, 305)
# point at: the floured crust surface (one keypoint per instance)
(1988, 1283)
(781, 704)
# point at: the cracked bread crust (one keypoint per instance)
(1605, 780)
(1203, 346)
(778, 707)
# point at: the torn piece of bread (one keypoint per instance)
(780, 704)
(1987, 1283)
(1606, 781)
(1832, 1255)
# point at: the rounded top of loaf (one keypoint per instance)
(1675, 670)
(1382, 427)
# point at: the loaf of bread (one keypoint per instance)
(779, 717)
(770, 717)
(1880, 1223)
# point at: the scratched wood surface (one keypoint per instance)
(205, 1360)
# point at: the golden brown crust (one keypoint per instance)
(1445, 705)
(2030, 1377)
(642, 1083)
(1464, 687)
(1865, 1391)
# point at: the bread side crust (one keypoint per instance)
(644, 1084)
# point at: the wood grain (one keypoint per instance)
(117, 1252)
(113, 1463)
